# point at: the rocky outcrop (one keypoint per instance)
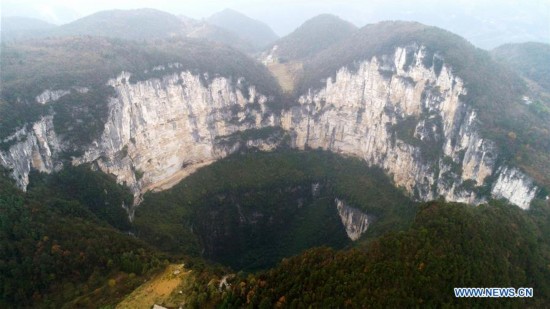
(49, 95)
(393, 111)
(398, 114)
(514, 186)
(161, 130)
(37, 146)
(355, 221)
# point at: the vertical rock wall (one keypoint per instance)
(391, 111)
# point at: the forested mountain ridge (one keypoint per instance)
(311, 37)
(520, 132)
(31, 67)
(72, 80)
(439, 124)
(139, 24)
(285, 57)
(146, 25)
(65, 238)
(528, 59)
(201, 29)
(446, 247)
(153, 150)
(254, 31)
(15, 28)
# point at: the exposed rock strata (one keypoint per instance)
(53, 95)
(391, 111)
(364, 113)
(37, 147)
(355, 221)
(161, 130)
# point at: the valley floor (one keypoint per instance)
(286, 74)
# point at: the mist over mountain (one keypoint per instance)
(134, 25)
(15, 28)
(528, 59)
(482, 22)
(148, 158)
(254, 31)
(200, 29)
(312, 36)
(144, 24)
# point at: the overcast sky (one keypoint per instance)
(462, 16)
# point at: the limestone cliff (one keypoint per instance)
(355, 221)
(36, 146)
(391, 111)
(53, 95)
(408, 119)
(161, 130)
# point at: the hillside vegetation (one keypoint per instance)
(448, 245)
(396, 264)
(202, 30)
(63, 240)
(254, 31)
(312, 36)
(145, 25)
(30, 67)
(140, 24)
(249, 211)
(286, 73)
(528, 59)
(287, 54)
(17, 28)
(521, 131)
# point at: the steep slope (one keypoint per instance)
(250, 210)
(414, 100)
(82, 63)
(311, 37)
(251, 30)
(528, 59)
(285, 57)
(16, 28)
(446, 247)
(404, 93)
(200, 29)
(57, 244)
(118, 120)
(139, 24)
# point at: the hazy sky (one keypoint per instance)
(462, 16)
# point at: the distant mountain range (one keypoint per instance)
(254, 31)
(311, 37)
(134, 139)
(14, 28)
(139, 24)
(227, 27)
(200, 29)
